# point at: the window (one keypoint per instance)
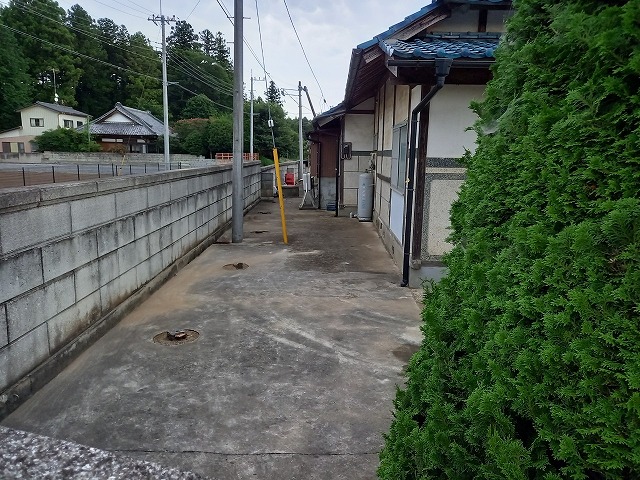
(20, 147)
(68, 124)
(79, 123)
(37, 122)
(6, 147)
(399, 157)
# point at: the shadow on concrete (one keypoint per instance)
(291, 376)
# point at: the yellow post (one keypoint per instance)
(280, 198)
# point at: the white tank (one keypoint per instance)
(365, 197)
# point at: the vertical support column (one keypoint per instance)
(301, 146)
(237, 210)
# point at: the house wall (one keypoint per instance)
(117, 117)
(358, 129)
(73, 256)
(459, 21)
(50, 120)
(14, 141)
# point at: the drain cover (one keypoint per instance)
(261, 231)
(176, 337)
(236, 266)
(264, 213)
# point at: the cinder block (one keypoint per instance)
(116, 234)
(89, 212)
(4, 335)
(129, 282)
(155, 263)
(19, 358)
(179, 189)
(36, 225)
(20, 273)
(67, 325)
(180, 228)
(111, 295)
(180, 209)
(62, 257)
(19, 196)
(158, 194)
(165, 215)
(177, 250)
(202, 200)
(87, 280)
(131, 201)
(144, 273)
(202, 233)
(32, 310)
(192, 222)
(147, 222)
(190, 241)
(67, 190)
(154, 242)
(128, 256)
(166, 237)
(108, 268)
(196, 185)
(167, 255)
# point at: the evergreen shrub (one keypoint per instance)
(530, 363)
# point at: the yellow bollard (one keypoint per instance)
(280, 198)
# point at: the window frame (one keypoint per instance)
(36, 122)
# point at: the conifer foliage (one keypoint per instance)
(530, 363)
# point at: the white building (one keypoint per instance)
(36, 119)
(388, 78)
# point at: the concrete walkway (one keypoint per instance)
(292, 375)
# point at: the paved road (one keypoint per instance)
(292, 375)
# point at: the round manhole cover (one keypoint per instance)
(236, 266)
(176, 337)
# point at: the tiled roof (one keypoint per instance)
(421, 13)
(455, 45)
(142, 123)
(125, 129)
(62, 109)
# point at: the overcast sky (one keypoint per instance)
(329, 30)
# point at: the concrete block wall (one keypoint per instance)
(71, 253)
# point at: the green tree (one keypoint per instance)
(529, 364)
(115, 40)
(220, 52)
(207, 42)
(192, 135)
(43, 40)
(94, 86)
(14, 81)
(199, 106)
(220, 134)
(182, 37)
(273, 94)
(65, 140)
(141, 91)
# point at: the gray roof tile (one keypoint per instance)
(455, 45)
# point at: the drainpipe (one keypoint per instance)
(318, 162)
(442, 70)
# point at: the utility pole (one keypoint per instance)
(237, 197)
(301, 166)
(165, 96)
(251, 115)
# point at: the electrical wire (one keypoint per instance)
(206, 79)
(117, 9)
(303, 50)
(193, 10)
(264, 69)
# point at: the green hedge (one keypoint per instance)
(530, 363)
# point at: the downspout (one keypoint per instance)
(318, 162)
(338, 167)
(442, 70)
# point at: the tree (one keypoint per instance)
(220, 52)
(94, 87)
(65, 140)
(199, 106)
(45, 44)
(14, 81)
(115, 41)
(220, 134)
(273, 94)
(529, 364)
(142, 91)
(182, 37)
(207, 42)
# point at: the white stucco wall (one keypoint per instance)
(358, 129)
(496, 20)
(449, 118)
(50, 120)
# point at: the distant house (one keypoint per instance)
(36, 119)
(126, 129)
(388, 79)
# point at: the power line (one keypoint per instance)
(82, 55)
(209, 81)
(117, 9)
(303, 50)
(193, 10)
